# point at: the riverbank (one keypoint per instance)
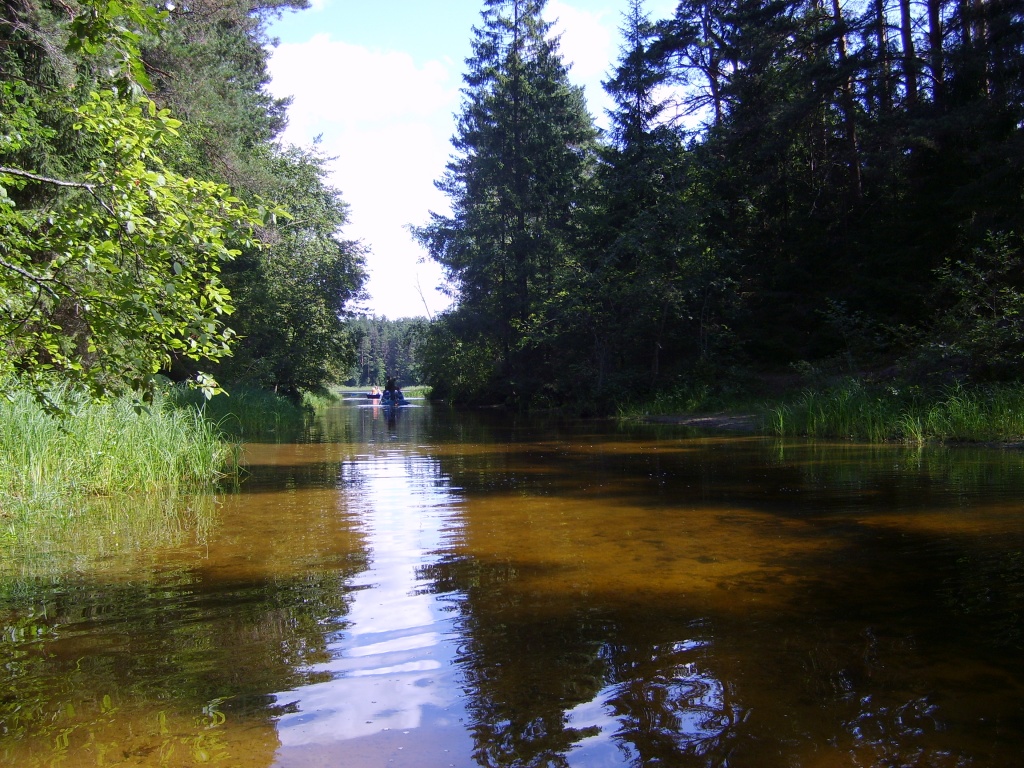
(865, 412)
(747, 423)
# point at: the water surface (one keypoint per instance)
(436, 589)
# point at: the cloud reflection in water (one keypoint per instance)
(392, 669)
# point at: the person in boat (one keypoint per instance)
(375, 391)
(392, 394)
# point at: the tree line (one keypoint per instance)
(152, 223)
(784, 183)
(385, 349)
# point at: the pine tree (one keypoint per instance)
(635, 275)
(524, 148)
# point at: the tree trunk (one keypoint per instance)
(910, 66)
(847, 105)
(713, 71)
(936, 54)
(883, 81)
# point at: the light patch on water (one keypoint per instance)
(423, 640)
(392, 669)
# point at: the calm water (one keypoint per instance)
(461, 590)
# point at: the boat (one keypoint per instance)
(373, 395)
(393, 399)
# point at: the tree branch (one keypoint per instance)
(47, 179)
(36, 279)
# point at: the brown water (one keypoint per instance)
(439, 589)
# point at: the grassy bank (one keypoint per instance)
(852, 410)
(856, 411)
(253, 414)
(50, 467)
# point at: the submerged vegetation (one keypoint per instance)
(127, 528)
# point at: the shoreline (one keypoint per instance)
(740, 422)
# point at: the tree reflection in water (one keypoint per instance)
(548, 685)
(599, 602)
(867, 620)
(668, 706)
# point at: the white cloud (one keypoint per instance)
(588, 39)
(387, 122)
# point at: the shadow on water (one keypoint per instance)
(423, 588)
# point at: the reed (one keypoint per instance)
(880, 414)
(249, 414)
(684, 398)
(52, 463)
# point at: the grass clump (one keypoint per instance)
(50, 465)
(252, 414)
(856, 411)
(705, 394)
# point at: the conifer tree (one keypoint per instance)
(639, 272)
(524, 149)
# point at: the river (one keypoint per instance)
(432, 588)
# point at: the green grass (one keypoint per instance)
(688, 398)
(881, 414)
(855, 410)
(252, 414)
(56, 472)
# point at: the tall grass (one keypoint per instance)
(49, 464)
(684, 398)
(252, 414)
(880, 414)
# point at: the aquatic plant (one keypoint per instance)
(878, 414)
(249, 413)
(49, 464)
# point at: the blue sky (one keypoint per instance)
(379, 83)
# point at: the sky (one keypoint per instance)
(377, 85)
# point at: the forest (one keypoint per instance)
(787, 186)
(153, 225)
(387, 348)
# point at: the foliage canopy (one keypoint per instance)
(126, 229)
(798, 184)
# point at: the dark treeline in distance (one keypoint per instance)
(794, 184)
(387, 348)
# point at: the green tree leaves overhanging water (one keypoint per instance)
(149, 218)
